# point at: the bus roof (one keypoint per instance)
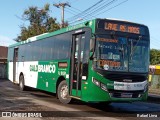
(45, 35)
(89, 23)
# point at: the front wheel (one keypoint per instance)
(63, 92)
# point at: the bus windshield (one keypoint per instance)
(138, 55)
(121, 54)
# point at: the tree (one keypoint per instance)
(154, 57)
(39, 22)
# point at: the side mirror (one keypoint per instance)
(92, 42)
(92, 46)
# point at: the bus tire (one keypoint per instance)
(21, 83)
(63, 93)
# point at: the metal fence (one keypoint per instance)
(154, 77)
(155, 81)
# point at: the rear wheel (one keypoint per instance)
(63, 92)
(21, 83)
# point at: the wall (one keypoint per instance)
(3, 61)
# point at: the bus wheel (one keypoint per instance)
(21, 83)
(63, 93)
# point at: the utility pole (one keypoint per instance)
(62, 6)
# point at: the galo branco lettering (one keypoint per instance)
(43, 68)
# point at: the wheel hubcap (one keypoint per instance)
(21, 85)
(21, 82)
(64, 91)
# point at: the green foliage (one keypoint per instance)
(39, 22)
(154, 57)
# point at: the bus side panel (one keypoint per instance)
(30, 71)
(17, 72)
(47, 76)
(10, 71)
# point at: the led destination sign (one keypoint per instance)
(121, 27)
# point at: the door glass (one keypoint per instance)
(78, 61)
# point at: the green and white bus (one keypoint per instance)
(101, 60)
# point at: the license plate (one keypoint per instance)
(126, 95)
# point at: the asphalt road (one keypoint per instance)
(44, 105)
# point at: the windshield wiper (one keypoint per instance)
(122, 51)
(133, 48)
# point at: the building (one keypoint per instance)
(3, 61)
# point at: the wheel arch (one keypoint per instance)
(60, 79)
(63, 93)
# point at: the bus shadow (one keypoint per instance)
(129, 108)
(40, 93)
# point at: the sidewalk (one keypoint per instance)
(154, 95)
(154, 91)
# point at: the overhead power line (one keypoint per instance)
(75, 13)
(155, 43)
(85, 11)
(112, 7)
(70, 11)
(100, 9)
(97, 8)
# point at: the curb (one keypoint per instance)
(153, 98)
(153, 95)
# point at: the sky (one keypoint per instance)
(140, 11)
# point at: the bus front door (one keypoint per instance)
(15, 60)
(77, 64)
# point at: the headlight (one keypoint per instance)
(104, 87)
(99, 84)
(96, 82)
